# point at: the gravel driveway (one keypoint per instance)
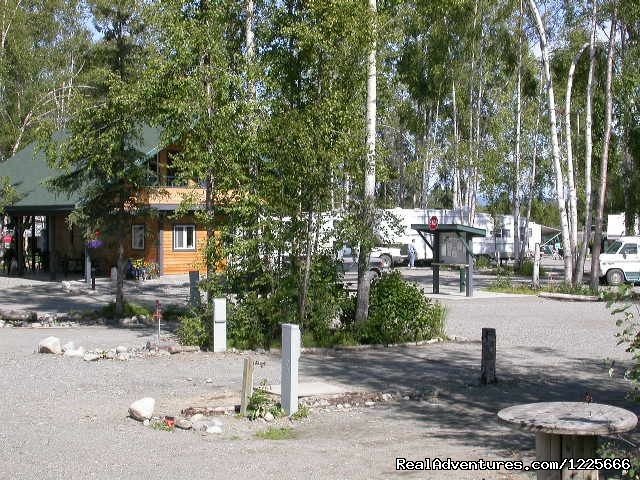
(65, 418)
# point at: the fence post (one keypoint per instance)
(536, 267)
(219, 331)
(289, 368)
(488, 366)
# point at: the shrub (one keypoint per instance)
(399, 312)
(526, 269)
(482, 262)
(130, 310)
(195, 328)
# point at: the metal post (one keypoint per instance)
(469, 268)
(194, 292)
(436, 260)
(93, 278)
(158, 315)
(289, 368)
(463, 275)
(87, 265)
(219, 340)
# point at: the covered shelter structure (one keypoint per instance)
(451, 244)
(41, 212)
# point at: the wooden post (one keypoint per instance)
(488, 366)
(548, 448)
(536, 267)
(194, 290)
(247, 385)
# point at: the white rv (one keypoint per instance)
(620, 261)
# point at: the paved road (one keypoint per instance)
(66, 418)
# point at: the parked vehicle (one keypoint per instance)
(620, 261)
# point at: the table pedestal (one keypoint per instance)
(551, 447)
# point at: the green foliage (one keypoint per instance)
(260, 404)
(8, 194)
(302, 412)
(503, 281)
(277, 433)
(130, 310)
(618, 450)
(526, 269)
(482, 262)
(162, 426)
(194, 329)
(399, 312)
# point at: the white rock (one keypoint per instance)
(214, 429)
(198, 417)
(68, 346)
(121, 349)
(208, 380)
(369, 403)
(122, 356)
(386, 397)
(50, 345)
(183, 423)
(146, 423)
(269, 417)
(142, 409)
(79, 352)
(90, 357)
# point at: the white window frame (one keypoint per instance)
(182, 231)
(133, 236)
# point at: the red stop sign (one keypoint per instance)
(433, 223)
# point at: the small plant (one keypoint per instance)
(162, 426)
(482, 262)
(277, 433)
(303, 412)
(259, 405)
(130, 310)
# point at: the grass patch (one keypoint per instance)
(504, 285)
(130, 309)
(517, 289)
(303, 412)
(277, 433)
(163, 427)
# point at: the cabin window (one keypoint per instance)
(137, 237)
(184, 237)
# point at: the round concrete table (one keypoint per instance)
(568, 430)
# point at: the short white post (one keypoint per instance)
(536, 267)
(289, 368)
(219, 324)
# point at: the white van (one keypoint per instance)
(620, 261)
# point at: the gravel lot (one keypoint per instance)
(64, 418)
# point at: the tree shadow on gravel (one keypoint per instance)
(455, 407)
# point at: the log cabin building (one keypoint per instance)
(40, 215)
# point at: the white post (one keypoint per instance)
(219, 324)
(536, 267)
(289, 368)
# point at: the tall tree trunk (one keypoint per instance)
(304, 287)
(364, 280)
(516, 189)
(588, 150)
(566, 245)
(456, 172)
(604, 159)
(573, 197)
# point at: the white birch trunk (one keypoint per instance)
(364, 280)
(573, 197)
(604, 159)
(564, 226)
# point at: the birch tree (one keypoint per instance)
(557, 163)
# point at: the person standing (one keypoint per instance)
(412, 253)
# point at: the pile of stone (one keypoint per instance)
(143, 411)
(31, 319)
(53, 345)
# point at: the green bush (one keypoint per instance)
(526, 269)
(130, 310)
(195, 328)
(482, 262)
(399, 312)
(502, 282)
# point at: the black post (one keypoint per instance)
(469, 267)
(93, 278)
(488, 365)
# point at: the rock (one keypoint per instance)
(68, 346)
(183, 423)
(190, 348)
(208, 380)
(189, 379)
(198, 417)
(50, 345)
(142, 409)
(386, 397)
(209, 426)
(110, 355)
(406, 397)
(122, 356)
(339, 406)
(121, 349)
(324, 402)
(346, 405)
(269, 417)
(79, 352)
(173, 349)
(214, 429)
(146, 423)
(2, 323)
(369, 403)
(36, 325)
(91, 357)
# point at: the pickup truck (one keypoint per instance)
(384, 255)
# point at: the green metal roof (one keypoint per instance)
(28, 171)
(450, 227)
